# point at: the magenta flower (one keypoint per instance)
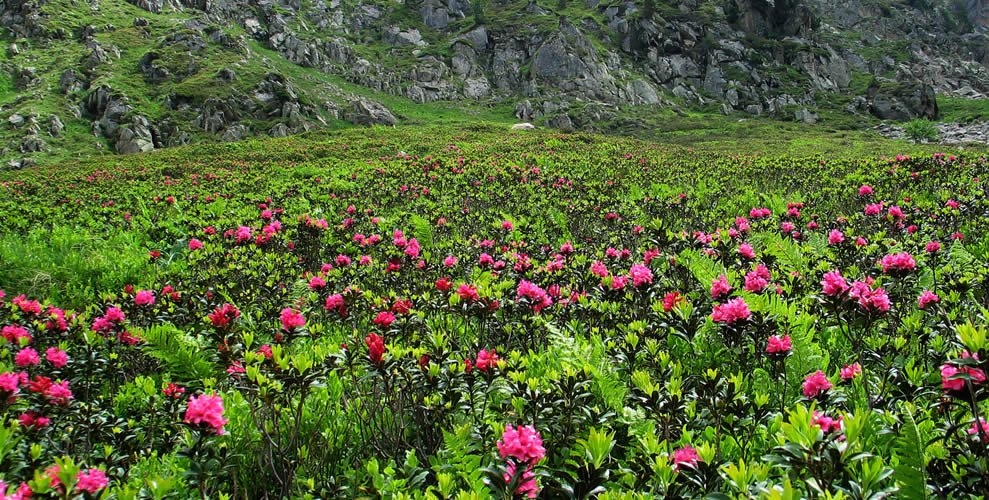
(835, 237)
(731, 312)
(757, 280)
(522, 443)
(849, 372)
(927, 298)
(144, 298)
(865, 190)
(27, 357)
(384, 319)
(871, 300)
(641, 275)
(292, 319)
(720, 287)
(779, 345)
(932, 247)
(834, 284)
(898, 263)
(685, 457)
(599, 269)
(527, 486)
(534, 294)
(486, 360)
(9, 385)
(982, 426)
(91, 481)
(745, 250)
(949, 371)
(826, 423)
(816, 384)
(57, 357)
(195, 244)
(206, 411)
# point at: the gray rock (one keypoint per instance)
(367, 112)
(561, 122)
(523, 126)
(640, 92)
(15, 120)
(395, 36)
(235, 133)
(475, 88)
(55, 126)
(69, 82)
(523, 110)
(904, 101)
(153, 72)
(434, 14)
(134, 137)
(154, 6)
(280, 130)
(806, 116)
(33, 144)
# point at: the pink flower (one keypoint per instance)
(685, 457)
(788, 227)
(223, 316)
(816, 384)
(292, 319)
(869, 299)
(375, 347)
(618, 282)
(486, 360)
(384, 319)
(757, 280)
(672, 300)
(336, 303)
(826, 423)
(834, 284)
(599, 269)
(57, 357)
(14, 334)
(874, 209)
(468, 293)
(952, 204)
(759, 213)
(9, 384)
(779, 345)
(144, 298)
(745, 250)
(865, 190)
(898, 263)
(926, 298)
(507, 225)
(91, 481)
(450, 261)
(59, 393)
(835, 237)
(860, 242)
(534, 294)
(526, 484)
(949, 371)
(982, 426)
(641, 275)
(720, 287)
(730, 312)
(317, 283)
(206, 411)
(243, 234)
(27, 357)
(849, 372)
(933, 247)
(195, 244)
(524, 444)
(343, 260)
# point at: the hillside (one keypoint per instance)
(92, 78)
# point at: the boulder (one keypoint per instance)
(235, 133)
(367, 112)
(902, 101)
(523, 126)
(134, 137)
(55, 126)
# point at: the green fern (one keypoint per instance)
(910, 473)
(180, 354)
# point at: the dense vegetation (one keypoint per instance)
(419, 313)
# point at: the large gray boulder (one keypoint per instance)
(134, 137)
(367, 112)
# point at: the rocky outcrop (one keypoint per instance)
(902, 101)
(367, 112)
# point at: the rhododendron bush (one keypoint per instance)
(533, 316)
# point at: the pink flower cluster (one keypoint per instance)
(816, 384)
(898, 263)
(733, 311)
(535, 295)
(524, 446)
(206, 411)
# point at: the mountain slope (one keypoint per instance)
(100, 77)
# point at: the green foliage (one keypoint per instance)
(921, 130)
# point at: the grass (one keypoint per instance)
(72, 265)
(963, 110)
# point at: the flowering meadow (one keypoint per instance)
(495, 316)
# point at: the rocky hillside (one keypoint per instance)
(108, 76)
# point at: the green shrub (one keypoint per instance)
(921, 131)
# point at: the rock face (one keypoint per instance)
(367, 112)
(785, 59)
